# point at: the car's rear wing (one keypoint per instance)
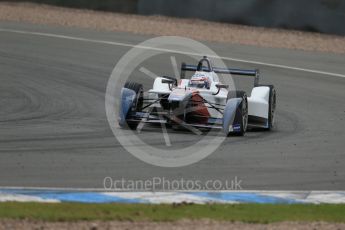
(243, 72)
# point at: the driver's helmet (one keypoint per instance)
(199, 80)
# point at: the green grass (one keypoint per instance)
(252, 213)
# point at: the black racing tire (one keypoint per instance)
(272, 106)
(241, 116)
(138, 101)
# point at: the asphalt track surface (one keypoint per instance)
(54, 131)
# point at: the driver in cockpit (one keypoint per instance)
(200, 81)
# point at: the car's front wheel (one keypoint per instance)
(137, 104)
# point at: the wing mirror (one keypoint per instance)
(220, 86)
(170, 82)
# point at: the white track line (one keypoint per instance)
(173, 51)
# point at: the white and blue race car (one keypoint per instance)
(199, 102)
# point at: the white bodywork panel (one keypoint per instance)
(258, 102)
(159, 87)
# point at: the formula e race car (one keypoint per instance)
(199, 102)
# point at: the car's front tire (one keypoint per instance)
(137, 104)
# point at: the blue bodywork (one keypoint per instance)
(127, 100)
(229, 115)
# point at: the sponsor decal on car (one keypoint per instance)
(237, 127)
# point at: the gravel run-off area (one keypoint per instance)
(159, 25)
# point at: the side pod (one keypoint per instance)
(258, 106)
